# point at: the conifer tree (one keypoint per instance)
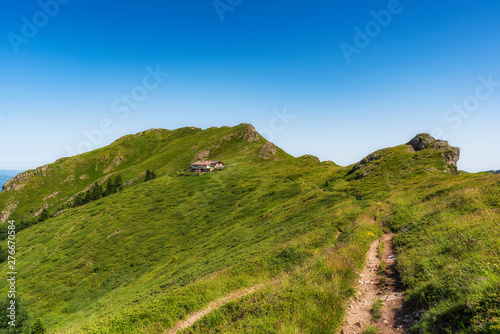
(119, 183)
(88, 197)
(44, 215)
(79, 200)
(96, 192)
(110, 187)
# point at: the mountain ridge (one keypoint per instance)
(243, 131)
(83, 170)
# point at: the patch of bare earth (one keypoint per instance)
(385, 286)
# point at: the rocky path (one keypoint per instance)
(382, 285)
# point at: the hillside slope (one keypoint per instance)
(164, 151)
(142, 259)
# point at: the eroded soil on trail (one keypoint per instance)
(379, 281)
(382, 284)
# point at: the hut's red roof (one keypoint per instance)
(205, 163)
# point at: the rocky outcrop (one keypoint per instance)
(69, 178)
(425, 141)
(249, 133)
(267, 151)
(44, 206)
(11, 206)
(203, 154)
(20, 180)
(363, 163)
(309, 158)
(53, 195)
(452, 157)
(150, 130)
(420, 142)
(116, 161)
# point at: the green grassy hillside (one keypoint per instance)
(164, 151)
(449, 245)
(144, 258)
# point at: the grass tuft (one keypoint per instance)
(376, 310)
(372, 330)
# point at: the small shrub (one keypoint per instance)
(150, 175)
(38, 327)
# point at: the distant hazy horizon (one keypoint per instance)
(11, 173)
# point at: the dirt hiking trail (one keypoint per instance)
(195, 316)
(384, 285)
(374, 284)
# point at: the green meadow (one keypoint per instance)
(144, 258)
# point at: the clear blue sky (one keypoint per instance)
(68, 68)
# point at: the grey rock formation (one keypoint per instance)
(424, 141)
(249, 133)
(370, 158)
(20, 180)
(421, 141)
(310, 158)
(267, 151)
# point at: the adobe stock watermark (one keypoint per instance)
(373, 28)
(223, 6)
(122, 107)
(30, 28)
(277, 124)
(12, 272)
(456, 115)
